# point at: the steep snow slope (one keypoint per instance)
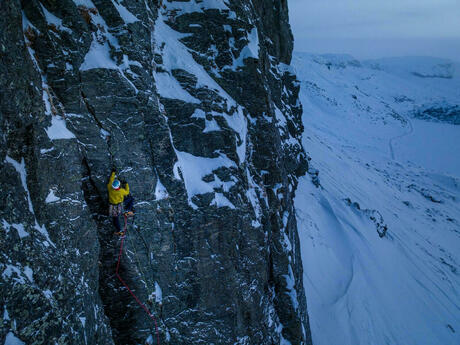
(380, 236)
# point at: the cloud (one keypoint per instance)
(366, 20)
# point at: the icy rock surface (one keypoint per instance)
(195, 103)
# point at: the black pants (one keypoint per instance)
(116, 223)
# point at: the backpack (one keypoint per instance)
(128, 205)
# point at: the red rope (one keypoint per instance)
(126, 286)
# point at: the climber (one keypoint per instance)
(117, 193)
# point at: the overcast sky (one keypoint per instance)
(377, 28)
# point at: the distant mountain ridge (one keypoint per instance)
(423, 87)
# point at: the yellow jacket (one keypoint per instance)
(116, 196)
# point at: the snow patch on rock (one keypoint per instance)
(11, 339)
(51, 197)
(58, 129)
(127, 16)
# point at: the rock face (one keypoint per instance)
(439, 112)
(196, 106)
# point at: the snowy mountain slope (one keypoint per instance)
(380, 236)
(387, 90)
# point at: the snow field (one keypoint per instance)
(363, 289)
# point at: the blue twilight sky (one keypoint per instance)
(377, 28)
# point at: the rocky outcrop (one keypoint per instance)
(439, 112)
(195, 104)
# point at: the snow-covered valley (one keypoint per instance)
(380, 233)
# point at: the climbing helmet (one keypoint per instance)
(116, 184)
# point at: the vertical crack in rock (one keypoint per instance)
(106, 133)
(116, 299)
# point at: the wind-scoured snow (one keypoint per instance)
(17, 273)
(11, 339)
(98, 56)
(238, 123)
(51, 197)
(211, 126)
(169, 87)
(29, 273)
(127, 16)
(290, 282)
(221, 201)
(402, 288)
(6, 226)
(6, 316)
(176, 56)
(158, 293)
(160, 191)
(21, 170)
(52, 19)
(86, 3)
(194, 168)
(198, 6)
(20, 229)
(251, 50)
(253, 198)
(58, 129)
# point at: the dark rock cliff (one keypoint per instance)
(196, 106)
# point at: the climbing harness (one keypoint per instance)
(125, 216)
(128, 205)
